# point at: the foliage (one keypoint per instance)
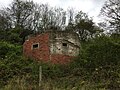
(99, 62)
(23, 18)
(83, 25)
(12, 63)
(111, 12)
(97, 66)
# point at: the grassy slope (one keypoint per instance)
(97, 67)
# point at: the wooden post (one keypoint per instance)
(40, 77)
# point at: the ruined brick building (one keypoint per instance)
(52, 46)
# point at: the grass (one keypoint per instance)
(18, 83)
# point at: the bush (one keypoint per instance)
(97, 65)
(102, 53)
(99, 62)
(12, 63)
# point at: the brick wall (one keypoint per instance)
(60, 59)
(43, 52)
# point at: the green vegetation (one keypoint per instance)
(97, 67)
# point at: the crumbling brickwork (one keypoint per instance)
(52, 46)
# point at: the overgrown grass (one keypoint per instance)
(21, 84)
(96, 68)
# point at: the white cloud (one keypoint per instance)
(92, 7)
(50, 2)
(4, 3)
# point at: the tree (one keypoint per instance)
(4, 27)
(20, 16)
(25, 17)
(47, 17)
(70, 15)
(70, 26)
(84, 26)
(111, 11)
(21, 13)
(59, 18)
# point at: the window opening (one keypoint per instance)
(35, 46)
(64, 44)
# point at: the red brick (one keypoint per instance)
(43, 52)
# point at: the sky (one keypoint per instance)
(91, 7)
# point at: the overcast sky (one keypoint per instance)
(92, 7)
